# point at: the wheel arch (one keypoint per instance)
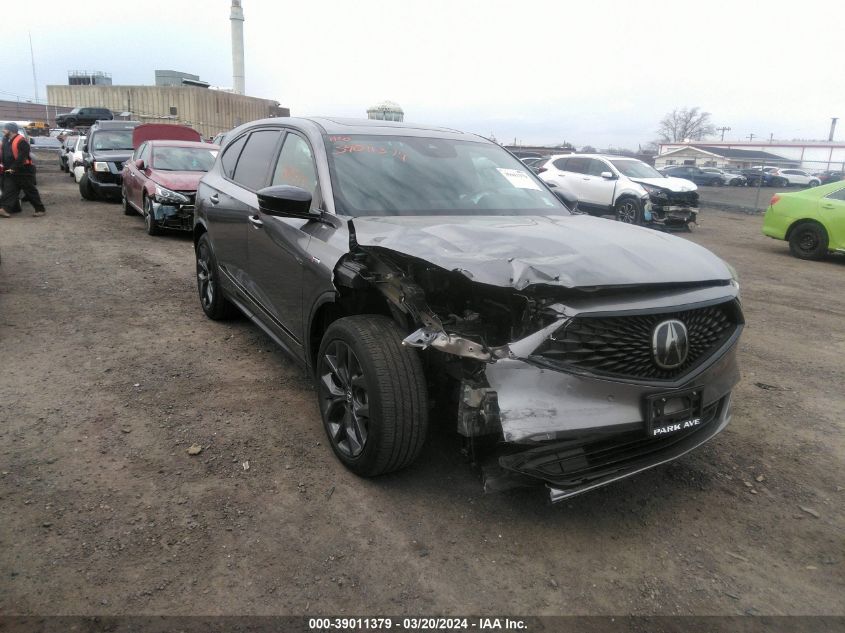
(795, 223)
(331, 306)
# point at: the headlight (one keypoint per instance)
(652, 190)
(171, 197)
(99, 166)
(734, 276)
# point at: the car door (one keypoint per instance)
(130, 177)
(598, 190)
(278, 246)
(832, 211)
(576, 176)
(228, 199)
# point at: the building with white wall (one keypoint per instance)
(812, 156)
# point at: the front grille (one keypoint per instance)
(683, 198)
(118, 165)
(577, 462)
(622, 346)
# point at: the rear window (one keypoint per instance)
(105, 140)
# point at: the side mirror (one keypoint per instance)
(139, 163)
(85, 147)
(286, 202)
(607, 175)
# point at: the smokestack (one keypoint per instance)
(237, 20)
(833, 121)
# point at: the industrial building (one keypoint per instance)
(810, 155)
(88, 78)
(207, 111)
(177, 78)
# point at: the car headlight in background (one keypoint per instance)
(168, 196)
(100, 166)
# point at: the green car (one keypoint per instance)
(812, 220)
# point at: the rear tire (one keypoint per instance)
(808, 240)
(214, 304)
(85, 188)
(629, 211)
(372, 395)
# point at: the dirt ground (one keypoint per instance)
(110, 372)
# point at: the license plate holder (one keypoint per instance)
(672, 412)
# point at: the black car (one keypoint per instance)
(415, 271)
(108, 146)
(82, 117)
(830, 176)
(693, 173)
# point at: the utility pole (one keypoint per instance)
(750, 137)
(833, 121)
(32, 57)
(771, 136)
(723, 130)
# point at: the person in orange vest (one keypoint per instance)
(18, 173)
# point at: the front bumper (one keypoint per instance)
(179, 217)
(576, 430)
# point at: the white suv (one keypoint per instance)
(787, 176)
(627, 188)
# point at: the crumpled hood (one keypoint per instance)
(177, 180)
(569, 251)
(670, 182)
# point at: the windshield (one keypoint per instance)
(636, 169)
(183, 158)
(112, 139)
(403, 175)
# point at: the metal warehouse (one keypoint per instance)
(208, 111)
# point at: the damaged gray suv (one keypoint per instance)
(421, 274)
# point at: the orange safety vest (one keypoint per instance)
(15, 151)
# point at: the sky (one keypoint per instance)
(595, 72)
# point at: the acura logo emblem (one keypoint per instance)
(670, 344)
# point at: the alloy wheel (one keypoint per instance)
(808, 241)
(627, 212)
(205, 277)
(343, 399)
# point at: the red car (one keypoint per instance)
(160, 182)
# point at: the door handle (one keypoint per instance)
(214, 199)
(586, 178)
(256, 221)
(827, 205)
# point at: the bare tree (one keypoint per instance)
(686, 123)
(588, 149)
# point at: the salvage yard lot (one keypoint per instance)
(110, 372)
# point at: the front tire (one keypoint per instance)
(808, 240)
(372, 395)
(629, 211)
(127, 208)
(149, 218)
(814, 183)
(214, 304)
(85, 188)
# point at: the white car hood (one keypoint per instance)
(671, 183)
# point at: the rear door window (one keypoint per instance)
(230, 156)
(578, 165)
(253, 168)
(560, 163)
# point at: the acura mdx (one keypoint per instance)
(412, 270)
